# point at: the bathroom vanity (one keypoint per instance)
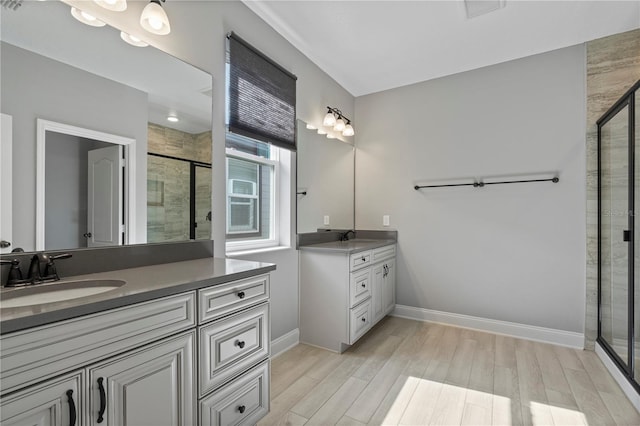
(346, 287)
(180, 343)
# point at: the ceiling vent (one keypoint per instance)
(11, 4)
(475, 8)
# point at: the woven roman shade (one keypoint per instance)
(261, 96)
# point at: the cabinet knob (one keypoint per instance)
(363, 259)
(364, 319)
(242, 408)
(241, 294)
(240, 344)
(363, 285)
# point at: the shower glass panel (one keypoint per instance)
(636, 260)
(614, 220)
(168, 183)
(203, 203)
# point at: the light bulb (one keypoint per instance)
(154, 19)
(115, 5)
(86, 18)
(348, 130)
(339, 126)
(329, 119)
(132, 40)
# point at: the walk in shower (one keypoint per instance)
(618, 232)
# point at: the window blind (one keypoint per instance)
(261, 96)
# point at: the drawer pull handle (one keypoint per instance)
(363, 259)
(72, 408)
(241, 294)
(364, 319)
(363, 285)
(103, 400)
(242, 408)
(240, 344)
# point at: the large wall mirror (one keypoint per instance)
(325, 193)
(85, 129)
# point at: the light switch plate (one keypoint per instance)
(385, 220)
(326, 220)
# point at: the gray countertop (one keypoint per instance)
(348, 247)
(142, 284)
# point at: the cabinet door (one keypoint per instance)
(151, 386)
(55, 402)
(378, 273)
(389, 287)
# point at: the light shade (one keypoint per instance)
(331, 136)
(339, 126)
(329, 120)
(311, 126)
(348, 130)
(321, 132)
(154, 19)
(115, 5)
(86, 18)
(132, 40)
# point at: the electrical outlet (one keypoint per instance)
(385, 220)
(326, 220)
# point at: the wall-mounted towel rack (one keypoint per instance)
(481, 184)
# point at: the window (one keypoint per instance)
(260, 114)
(252, 193)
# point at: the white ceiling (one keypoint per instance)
(370, 46)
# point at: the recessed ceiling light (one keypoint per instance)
(86, 18)
(132, 40)
(173, 119)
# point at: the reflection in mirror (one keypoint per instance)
(61, 71)
(326, 174)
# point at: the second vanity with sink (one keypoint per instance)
(179, 343)
(350, 285)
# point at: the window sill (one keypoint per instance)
(240, 253)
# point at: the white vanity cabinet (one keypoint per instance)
(161, 362)
(342, 294)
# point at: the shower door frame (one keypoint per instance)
(627, 369)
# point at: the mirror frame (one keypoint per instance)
(129, 198)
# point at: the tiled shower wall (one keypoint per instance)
(168, 217)
(613, 66)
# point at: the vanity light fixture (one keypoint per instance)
(331, 136)
(154, 19)
(321, 132)
(86, 18)
(173, 119)
(132, 40)
(338, 122)
(115, 5)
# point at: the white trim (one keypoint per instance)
(130, 172)
(285, 342)
(622, 381)
(523, 331)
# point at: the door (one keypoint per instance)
(153, 386)
(6, 160)
(56, 402)
(105, 195)
(389, 287)
(378, 272)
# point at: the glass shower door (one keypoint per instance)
(203, 217)
(615, 211)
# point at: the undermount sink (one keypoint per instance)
(56, 292)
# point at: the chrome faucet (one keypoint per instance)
(344, 236)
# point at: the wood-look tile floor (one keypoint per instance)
(405, 372)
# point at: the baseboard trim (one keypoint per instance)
(285, 342)
(628, 390)
(522, 331)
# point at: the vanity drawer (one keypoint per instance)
(359, 321)
(359, 286)
(360, 260)
(33, 355)
(243, 401)
(230, 345)
(218, 301)
(383, 253)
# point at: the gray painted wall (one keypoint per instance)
(509, 252)
(37, 87)
(66, 196)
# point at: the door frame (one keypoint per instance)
(6, 176)
(129, 196)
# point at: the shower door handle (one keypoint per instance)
(626, 235)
